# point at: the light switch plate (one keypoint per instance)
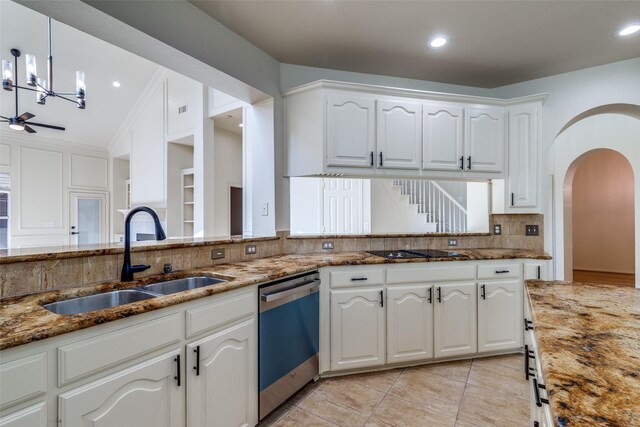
(453, 242)
(497, 229)
(217, 253)
(531, 230)
(327, 245)
(250, 249)
(265, 208)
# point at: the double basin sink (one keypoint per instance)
(116, 298)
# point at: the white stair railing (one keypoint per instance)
(434, 201)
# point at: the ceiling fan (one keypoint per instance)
(19, 122)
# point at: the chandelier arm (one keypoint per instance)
(23, 87)
(65, 98)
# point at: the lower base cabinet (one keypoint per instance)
(357, 328)
(149, 394)
(33, 416)
(409, 323)
(499, 316)
(454, 319)
(222, 378)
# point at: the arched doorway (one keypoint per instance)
(599, 192)
(615, 131)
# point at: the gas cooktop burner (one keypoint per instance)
(415, 253)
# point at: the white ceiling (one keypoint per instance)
(229, 121)
(107, 107)
(492, 43)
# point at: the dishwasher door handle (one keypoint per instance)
(309, 286)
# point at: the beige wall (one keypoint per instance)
(603, 213)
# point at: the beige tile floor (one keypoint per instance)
(479, 392)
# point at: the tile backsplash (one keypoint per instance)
(36, 276)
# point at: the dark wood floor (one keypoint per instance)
(604, 277)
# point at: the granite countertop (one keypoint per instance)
(23, 320)
(588, 339)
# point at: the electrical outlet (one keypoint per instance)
(265, 209)
(217, 253)
(453, 242)
(497, 229)
(250, 249)
(531, 230)
(327, 245)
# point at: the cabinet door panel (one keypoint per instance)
(455, 319)
(32, 416)
(484, 139)
(398, 134)
(442, 137)
(409, 323)
(523, 156)
(535, 271)
(145, 395)
(500, 316)
(350, 130)
(357, 329)
(225, 391)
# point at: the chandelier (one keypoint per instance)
(43, 88)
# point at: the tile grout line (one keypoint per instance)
(466, 382)
(385, 395)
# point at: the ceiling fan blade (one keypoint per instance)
(28, 129)
(4, 121)
(6, 118)
(45, 126)
(25, 116)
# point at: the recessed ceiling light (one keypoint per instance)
(628, 30)
(240, 125)
(438, 41)
(116, 84)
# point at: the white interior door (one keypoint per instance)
(87, 218)
(342, 211)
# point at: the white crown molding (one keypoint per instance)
(411, 93)
(8, 136)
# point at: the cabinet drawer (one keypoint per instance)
(500, 271)
(431, 274)
(354, 278)
(96, 354)
(222, 312)
(23, 379)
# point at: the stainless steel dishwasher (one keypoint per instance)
(289, 326)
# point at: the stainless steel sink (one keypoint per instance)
(179, 285)
(98, 301)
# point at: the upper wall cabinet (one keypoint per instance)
(350, 131)
(484, 139)
(522, 188)
(361, 130)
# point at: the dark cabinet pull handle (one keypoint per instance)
(197, 367)
(513, 199)
(501, 271)
(371, 158)
(469, 162)
(539, 275)
(430, 291)
(381, 298)
(482, 292)
(536, 392)
(528, 354)
(381, 158)
(461, 162)
(358, 279)
(528, 325)
(177, 377)
(439, 294)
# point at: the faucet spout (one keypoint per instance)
(127, 268)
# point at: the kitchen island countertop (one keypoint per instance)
(588, 338)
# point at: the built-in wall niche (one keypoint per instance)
(387, 206)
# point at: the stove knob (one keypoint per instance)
(399, 255)
(390, 255)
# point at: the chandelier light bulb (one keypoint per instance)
(41, 92)
(32, 73)
(7, 74)
(80, 85)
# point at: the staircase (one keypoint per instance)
(440, 209)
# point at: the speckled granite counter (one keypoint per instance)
(588, 339)
(23, 320)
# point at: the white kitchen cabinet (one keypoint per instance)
(536, 270)
(350, 134)
(32, 416)
(522, 179)
(357, 328)
(500, 315)
(222, 378)
(409, 323)
(148, 180)
(144, 395)
(398, 134)
(484, 139)
(454, 319)
(442, 137)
